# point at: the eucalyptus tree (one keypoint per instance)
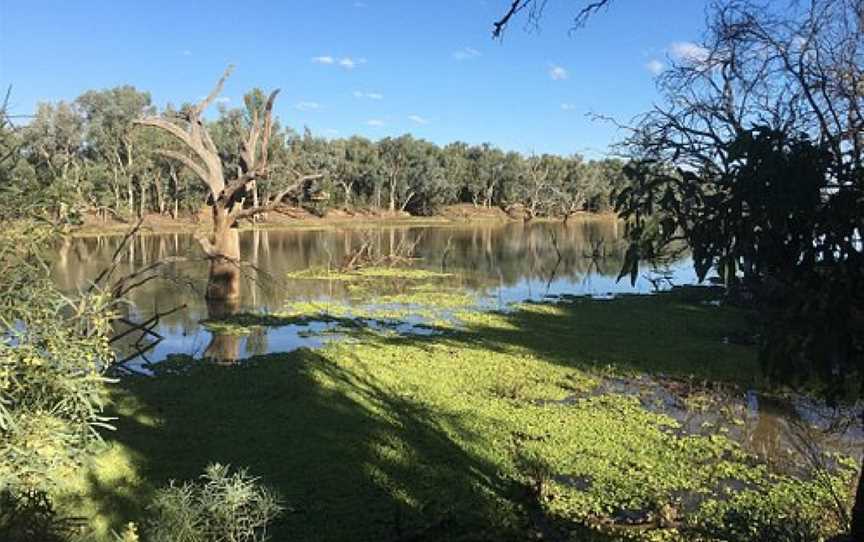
(540, 178)
(107, 116)
(315, 153)
(55, 140)
(754, 158)
(486, 173)
(227, 193)
(426, 179)
(360, 172)
(569, 196)
(457, 168)
(17, 175)
(395, 160)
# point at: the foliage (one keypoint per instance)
(223, 507)
(84, 157)
(767, 516)
(380, 436)
(30, 515)
(762, 179)
(53, 354)
(755, 159)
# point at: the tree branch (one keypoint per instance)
(186, 161)
(205, 103)
(536, 11)
(168, 126)
(277, 200)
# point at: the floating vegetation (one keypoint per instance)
(367, 273)
(593, 414)
(373, 302)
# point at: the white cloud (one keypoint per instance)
(567, 107)
(350, 63)
(369, 95)
(687, 51)
(655, 66)
(346, 62)
(557, 73)
(375, 122)
(466, 52)
(186, 52)
(418, 119)
(307, 106)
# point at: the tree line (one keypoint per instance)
(89, 156)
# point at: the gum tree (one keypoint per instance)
(227, 191)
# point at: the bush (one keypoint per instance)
(222, 507)
(54, 352)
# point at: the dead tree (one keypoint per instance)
(227, 195)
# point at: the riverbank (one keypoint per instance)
(503, 427)
(293, 217)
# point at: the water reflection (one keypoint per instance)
(504, 262)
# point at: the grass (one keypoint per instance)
(454, 437)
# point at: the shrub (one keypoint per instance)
(223, 507)
(54, 351)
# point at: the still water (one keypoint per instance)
(501, 263)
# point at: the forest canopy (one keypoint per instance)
(88, 156)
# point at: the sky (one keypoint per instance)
(375, 68)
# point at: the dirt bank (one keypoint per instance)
(296, 217)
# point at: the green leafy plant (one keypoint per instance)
(221, 507)
(54, 352)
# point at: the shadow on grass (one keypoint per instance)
(358, 458)
(362, 465)
(679, 333)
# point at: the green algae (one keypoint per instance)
(368, 273)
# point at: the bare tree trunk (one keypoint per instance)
(254, 187)
(266, 198)
(131, 194)
(142, 204)
(224, 254)
(160, 196)
(226, 198)
(175, 191)
(116, 189)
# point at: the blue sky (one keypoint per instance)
(370, 67)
